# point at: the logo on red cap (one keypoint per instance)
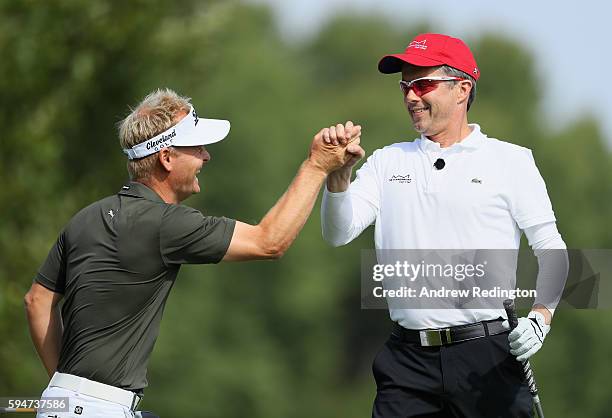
(418, 44)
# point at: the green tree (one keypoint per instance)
(259, 339)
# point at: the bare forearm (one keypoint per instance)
(46, 331)
(285, 220)
(281, 225)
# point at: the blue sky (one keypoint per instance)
(571, 40)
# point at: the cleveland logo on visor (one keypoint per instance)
(160, 143)
(189, 131)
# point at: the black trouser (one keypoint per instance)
(471, 379)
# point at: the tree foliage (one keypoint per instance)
(259, 339)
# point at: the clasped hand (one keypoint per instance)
(336, 147)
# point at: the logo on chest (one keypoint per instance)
(397, 178)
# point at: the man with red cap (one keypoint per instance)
(453, 188)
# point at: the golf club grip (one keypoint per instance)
(530, 378)
(511, 312)
(527, 372)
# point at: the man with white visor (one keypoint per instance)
(452, 188)
(116, 260)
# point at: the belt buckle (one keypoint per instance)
(435, 337)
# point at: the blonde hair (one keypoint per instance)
(153, 115)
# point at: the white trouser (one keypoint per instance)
(89, 399)
(84, 406)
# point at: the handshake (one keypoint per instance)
(336, 148)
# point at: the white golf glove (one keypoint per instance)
(527, 338)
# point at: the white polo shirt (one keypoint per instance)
(486, 193)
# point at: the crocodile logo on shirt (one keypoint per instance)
(397, 178)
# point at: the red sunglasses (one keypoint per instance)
(424, 85)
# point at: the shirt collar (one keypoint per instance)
(136, 189)
(472, 141)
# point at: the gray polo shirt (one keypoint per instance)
(115, 263)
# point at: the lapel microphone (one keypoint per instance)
(439, 164)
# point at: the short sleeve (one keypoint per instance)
(52, 274)
(188, 237)
(530, 204)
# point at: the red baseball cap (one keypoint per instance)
(431, 50)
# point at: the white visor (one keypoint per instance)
(190, 131)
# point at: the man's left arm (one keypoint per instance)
(45, 323)
(553, 267)
(532, 210)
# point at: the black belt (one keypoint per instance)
(445, 336)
